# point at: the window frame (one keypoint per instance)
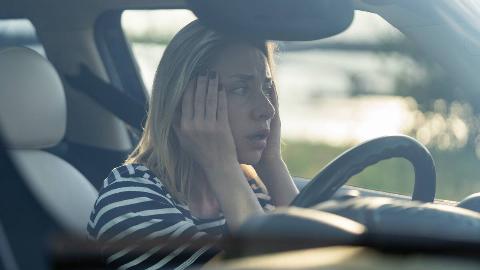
(117, 56)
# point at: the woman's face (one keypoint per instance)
(245, 75)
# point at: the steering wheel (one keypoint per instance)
(353, 161)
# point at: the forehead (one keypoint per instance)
(241, 59)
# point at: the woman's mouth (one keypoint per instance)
(259, 139)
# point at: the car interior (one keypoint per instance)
(73, 110)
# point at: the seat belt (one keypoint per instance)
(114, 100)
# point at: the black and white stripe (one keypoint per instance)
(133, 206)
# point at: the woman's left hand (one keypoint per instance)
(271, 168)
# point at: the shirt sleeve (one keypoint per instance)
(135, 210)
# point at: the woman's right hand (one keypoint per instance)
(204, 131)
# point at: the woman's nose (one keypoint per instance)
(264, 109)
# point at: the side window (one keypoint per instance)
(19, 32)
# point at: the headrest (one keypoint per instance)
(32, 100)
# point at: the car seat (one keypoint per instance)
(32, 118)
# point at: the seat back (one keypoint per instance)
(33, 117)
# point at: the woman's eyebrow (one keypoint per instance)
(245, 77)
(248, 77)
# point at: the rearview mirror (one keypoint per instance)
(275, 19)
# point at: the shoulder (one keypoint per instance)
(131, 172)
(131, 193)
(130, 181)
(133, 175)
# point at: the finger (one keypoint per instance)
(187, 102)
(222, 110)
(212, 94)
(274, 100)
(200, 93)
(275, 95)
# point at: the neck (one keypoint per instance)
(202, 201)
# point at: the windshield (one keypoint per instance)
(384, 75)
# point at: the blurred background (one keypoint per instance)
(367, 82)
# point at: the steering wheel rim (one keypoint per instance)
(353, 161)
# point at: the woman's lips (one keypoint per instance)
(258, 143)
(259, 139)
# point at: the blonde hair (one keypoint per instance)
(189, 52)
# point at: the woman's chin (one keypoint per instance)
(250, 158)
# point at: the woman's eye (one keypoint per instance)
(240, 90)
(268, 89)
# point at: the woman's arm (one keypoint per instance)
(236, 198)
(274, 174)
(271, 168)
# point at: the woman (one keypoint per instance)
(213, 125)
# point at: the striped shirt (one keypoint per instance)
(134, 205)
